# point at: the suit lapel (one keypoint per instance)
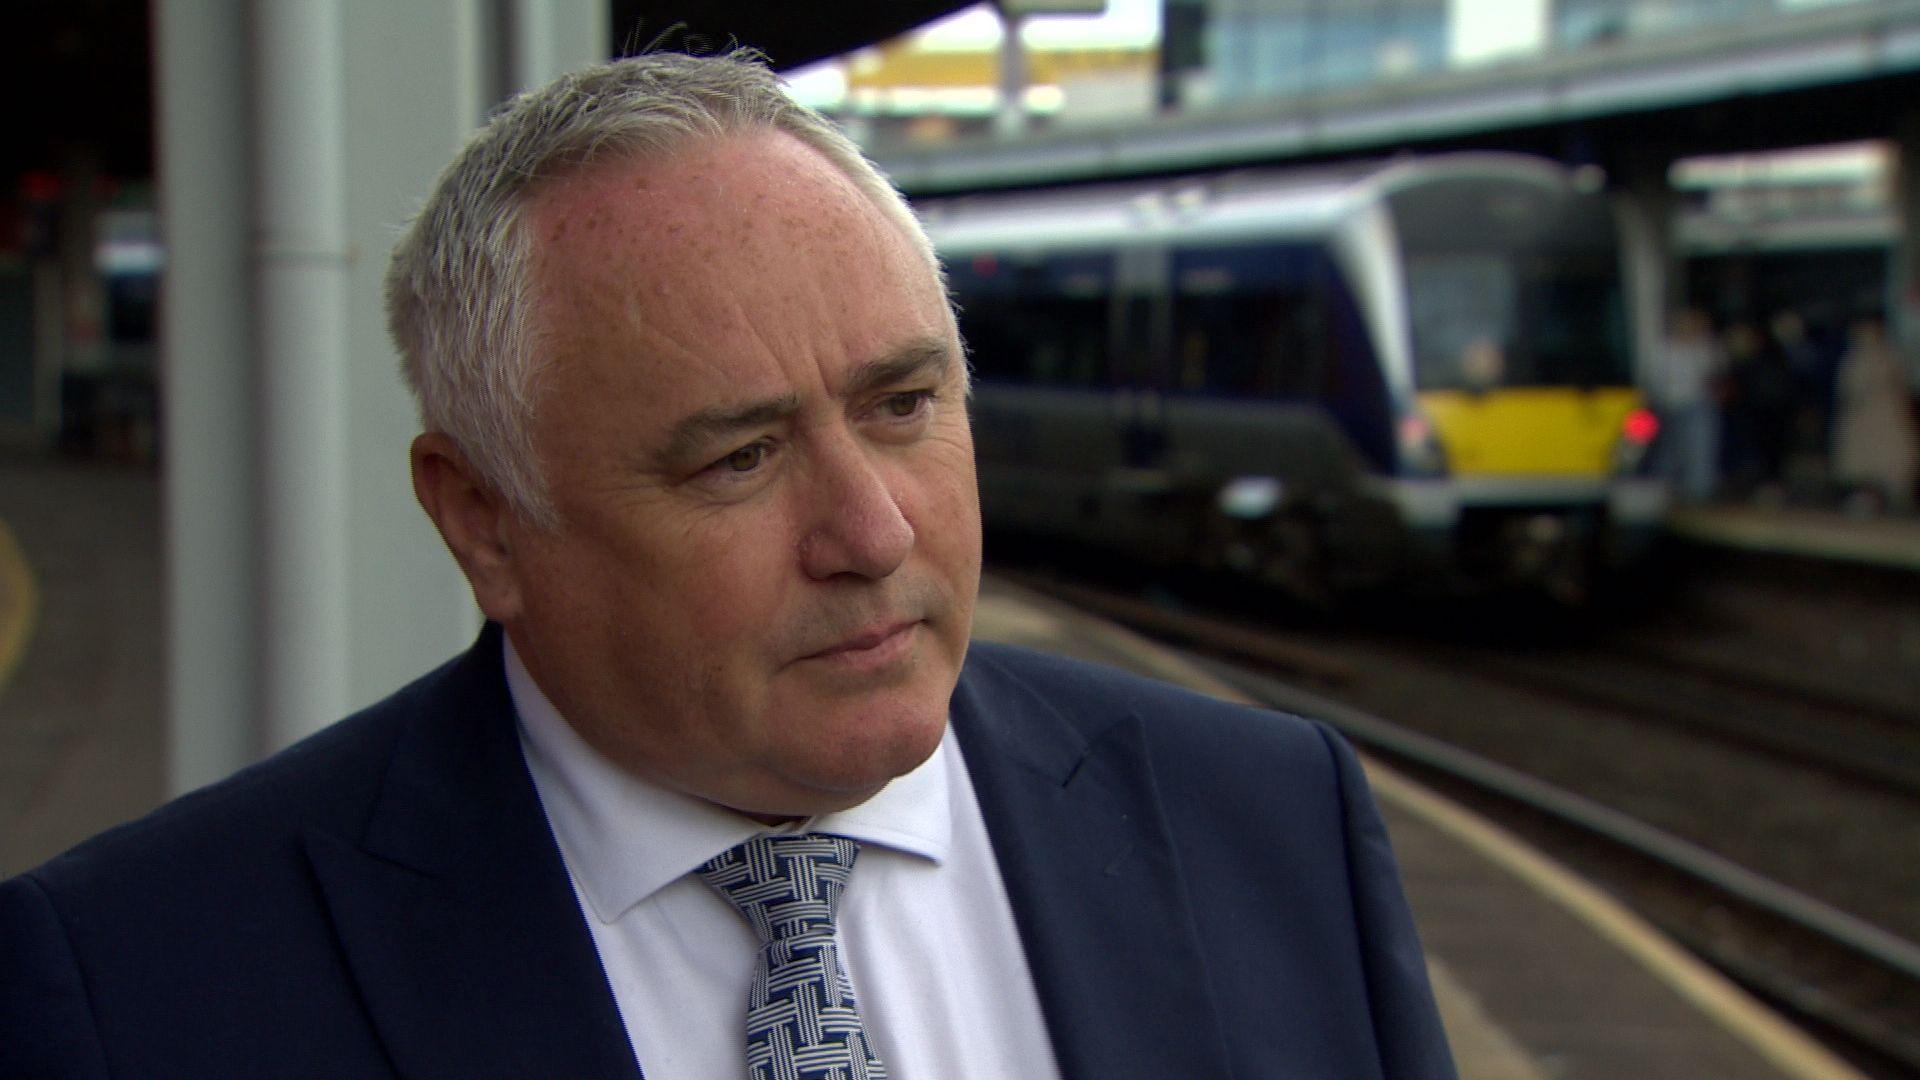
(1072, 810)
(454, 909)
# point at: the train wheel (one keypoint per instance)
(1294, 560)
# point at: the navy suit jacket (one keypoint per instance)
(1203, 890)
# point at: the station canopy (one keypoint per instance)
(95, 57)
(790, 34)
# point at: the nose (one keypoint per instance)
(855, 523)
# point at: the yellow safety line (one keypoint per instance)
(19, 604)
(1741, 1014)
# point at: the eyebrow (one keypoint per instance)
(926, 357)
(710, 425)
(707, 426)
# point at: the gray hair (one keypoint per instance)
(459, 290)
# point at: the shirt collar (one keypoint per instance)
(626, 838)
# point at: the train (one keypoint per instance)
(1412, 372)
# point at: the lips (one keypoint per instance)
(867, 641)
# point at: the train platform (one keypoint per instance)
(1539, 974)
(1881, 542)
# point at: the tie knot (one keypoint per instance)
(785, 886)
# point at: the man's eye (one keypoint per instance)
(745, 459)
(902, 405)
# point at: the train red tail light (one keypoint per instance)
(1640, 427)
(1420, 450)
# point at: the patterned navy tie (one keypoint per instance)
(802, 1020)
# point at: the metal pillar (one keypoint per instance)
(1903, 273)
(550, 37)
(206, 380)
(1011, 122)
(1653, 278)
(301, 280)
(303, 580)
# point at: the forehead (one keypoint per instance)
(732, 253)
(718, 204)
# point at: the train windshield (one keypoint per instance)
(1510, 285)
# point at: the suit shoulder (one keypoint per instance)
(1085, 694)
(329, 778)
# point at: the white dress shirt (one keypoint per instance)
(926, 930)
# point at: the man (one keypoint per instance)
(721, 786)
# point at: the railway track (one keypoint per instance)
(1856, 743)
(1852, 982)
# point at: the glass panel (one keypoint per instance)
(1249, 321)
(1039, 319)
(1461, 307)
(1484, 320)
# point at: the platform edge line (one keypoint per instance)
(16, 625)
(1712, 993)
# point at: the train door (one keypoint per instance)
(1144, 479)
(1039, 331)
(1140, 335)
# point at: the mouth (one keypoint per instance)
(872, 648)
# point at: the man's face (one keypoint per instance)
(754, 429)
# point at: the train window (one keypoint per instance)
(1511, 283)
(1573, 315)
(1035, 319)
(1463, 324)
(1517, 318)
(1251, 321)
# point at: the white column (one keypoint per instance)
(1011, 121)
(421, 76)
(300, 266)
(1652, 278)
(552, 37)
(303, 581)
(206, 379)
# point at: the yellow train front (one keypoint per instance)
(1526, 454)
(1411, 373)
(1536, 486)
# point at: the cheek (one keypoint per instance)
(725, 581)
(670, 593)
(947, 495)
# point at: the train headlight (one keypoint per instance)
(1250, 498)
(1419, 444)
(1632, 453)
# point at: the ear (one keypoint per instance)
(472, 518)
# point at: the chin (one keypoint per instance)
(850, 765)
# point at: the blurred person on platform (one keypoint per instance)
(1684, 389)
(1758, 413)
(723, 788)
(1812, 368)
(1875, 456)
